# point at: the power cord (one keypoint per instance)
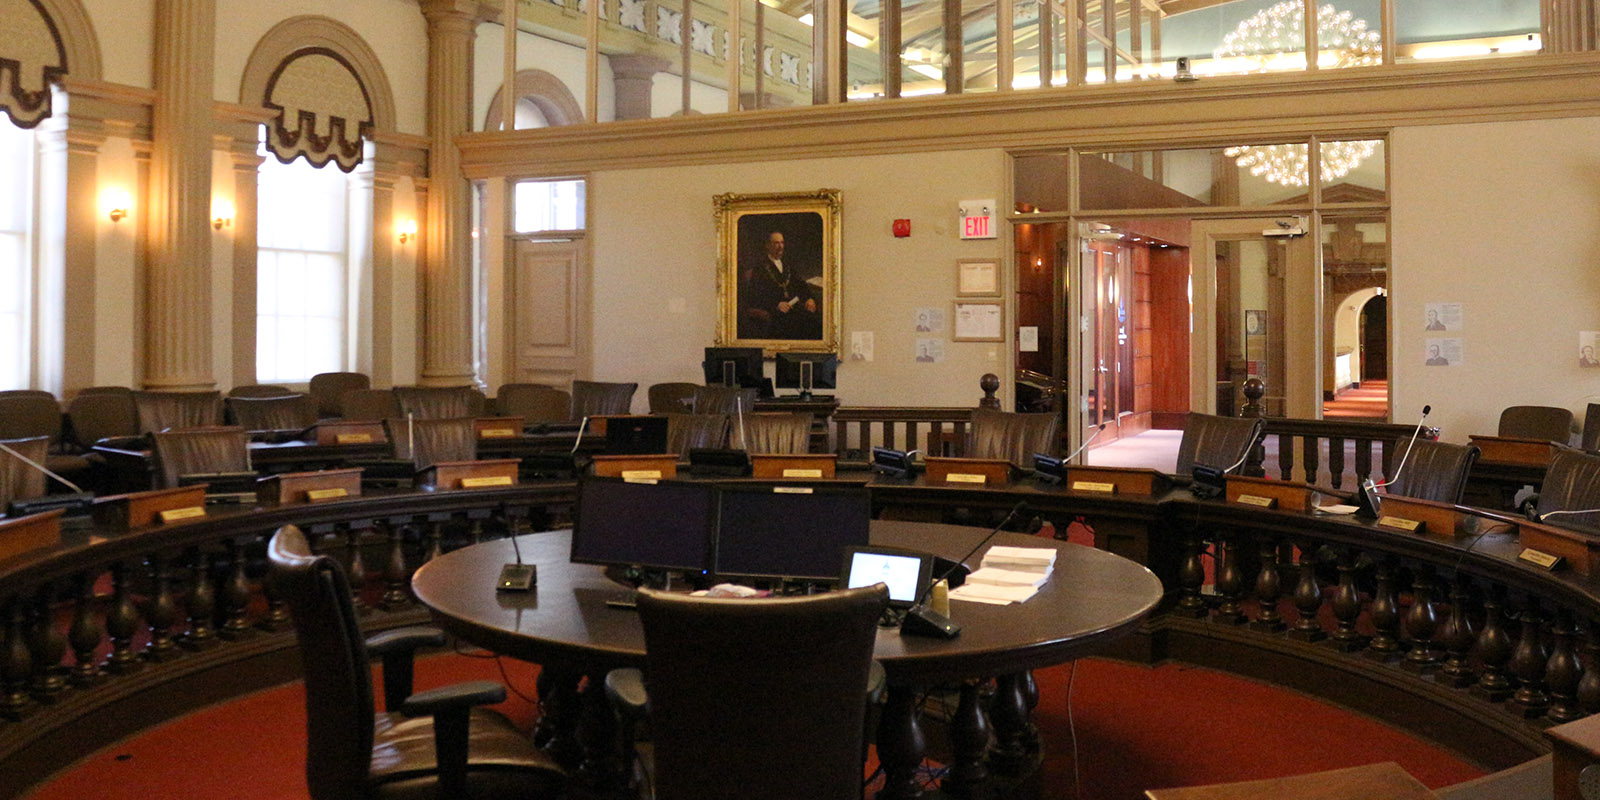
(1072, 733)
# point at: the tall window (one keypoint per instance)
(301, 270)
(16, 253)
(548, 206)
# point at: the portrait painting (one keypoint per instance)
(778, 270)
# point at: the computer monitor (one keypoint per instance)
(789, 531)
(663, 525)
(807, 371)
(636, 435)
(905, 572)
(734, 366)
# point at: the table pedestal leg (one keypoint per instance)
(601, 771)
(900, 744)
(969, 739)
(1013, 752)
(556, 730)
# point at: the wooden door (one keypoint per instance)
(1375, 339)
(548, 292)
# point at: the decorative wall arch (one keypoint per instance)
(46, 41)
(326, 84)
(544, 90)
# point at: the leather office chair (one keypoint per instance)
(782, 433)
(123, 390)
(1435, 471)
(1572, 483)
(724, 678)
(25, 415)
(1012, 436)
(328, 389)
(18, 480)
(592, 397)
(1546, 423)
(194, 451)
(436, 440)
(534, 402)
(27, 393)
(288, 412)
(260, 390)
(352, 750)
(95, 416)
(671, 398)
(1214, 441)
(688, 431)
(439, 402)
(723, 400)
(1591, 427)
(159, 411)
(370, 405)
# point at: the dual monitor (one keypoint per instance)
(742, 366)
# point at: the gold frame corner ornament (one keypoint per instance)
(729, 209)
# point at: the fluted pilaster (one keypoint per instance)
(178, 209)
(447, 240)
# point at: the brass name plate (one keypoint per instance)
(792, 490)
(1542, 560)
(651, 481)
(175, 514)
(479, 483)
(641, 474)
(314, 495)
(965, 477)
(496, 433)
(1092, 486)
(1258, 500)
(1400, 523)
(353, 438)
(802, 473)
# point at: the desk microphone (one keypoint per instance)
(518, 577)
(1368, 504)
(1052, 470)
(1086, 443)
(923, 621)
(1535, 516)
(579, 440)
(738, 408)
(72, 502)
(1210, 482)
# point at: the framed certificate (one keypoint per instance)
(977, 278)
(979, 322)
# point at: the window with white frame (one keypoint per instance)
(16, 253)
(548, 206)
(301, 270)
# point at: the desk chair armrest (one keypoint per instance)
(451, 708)
(625, 690)
(397, 648)
(455, 697)
(876, 683)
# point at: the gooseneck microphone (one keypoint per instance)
(923, 621)
(1086, 442)
(518, 577)
(1368, 504)
(1534, 515)
(1409, 445)
(76, 503)
(1208, 482)
(36, 465)
(584, 423)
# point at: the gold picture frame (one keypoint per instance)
(794, 306)
(978, 321)
(977, 277)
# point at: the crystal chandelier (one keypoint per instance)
(1263, 38)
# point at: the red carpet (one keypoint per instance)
(1370, 402)
(1137, 728)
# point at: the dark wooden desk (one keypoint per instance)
(1092, 598)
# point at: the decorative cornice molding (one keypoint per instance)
(297, 34)
(1144, 114)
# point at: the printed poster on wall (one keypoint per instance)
(1442, 317)
(930, 320)
(1588, 345)
(930, 351)
(1443, 353)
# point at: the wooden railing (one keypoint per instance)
(938, 431)
(1323, 448)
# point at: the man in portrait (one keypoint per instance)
(1435, 359)
(1586, 357)
(1433, 321)
(775, 300)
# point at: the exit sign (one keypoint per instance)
(977, 219)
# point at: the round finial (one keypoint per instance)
(990, 383)
(1254, 389)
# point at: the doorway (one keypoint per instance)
(546, 309)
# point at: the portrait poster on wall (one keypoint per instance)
(1442, 317)
(1443, 352)
(778, 270)
(1588, 346)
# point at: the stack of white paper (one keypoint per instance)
(1008, 575)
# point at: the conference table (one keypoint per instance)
(565, 625)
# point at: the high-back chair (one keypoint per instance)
(354, 751)
(671, 398)
(780, 433)
(289, 412)
(1435, 471)
(1213, 441)
(1012, 436)
(534, 402)
(369, 405)
(726, 676)
(686, 432)
(102, 415)
(25, 415)
(1591, 427)
(439, 402)
(425, 442)
(260, 390)
(1547, 423)
(159, 411)
(328, 390)
(724, 400)
(194, 451)
(593, 397)
(1571, 484)
(18, 479)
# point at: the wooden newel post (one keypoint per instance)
(1254, 390)
(990, 383)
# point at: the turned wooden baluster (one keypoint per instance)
(1269, 586)
(201, 603)
(1589, 685)
(1528, 663)
(395, 577)
(435, 536)
(969, 740)
(1347, 605)
(1385, 644)
(901, 744)
(1307, 597)
(355, 567)
(122, 620)
(1030, 696)
(1011, 722)
(46, 646)
(84, 633)
(1230, 584)
(1458, 636)
(1421, 621)
(161, 611)
(17, 665)
(1562, 672)
(1192, 576)
(235, 595)
(1494, 648)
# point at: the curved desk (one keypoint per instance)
(1091, 598)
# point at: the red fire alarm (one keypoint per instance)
(902, 228)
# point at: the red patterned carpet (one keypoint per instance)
(1370, 402)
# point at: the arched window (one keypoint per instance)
(17, 243)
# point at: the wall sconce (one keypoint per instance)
(408, 230)
(221, 214)
(115, 202)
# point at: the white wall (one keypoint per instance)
(126, 30)
(655, 253)
(1504, 218)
